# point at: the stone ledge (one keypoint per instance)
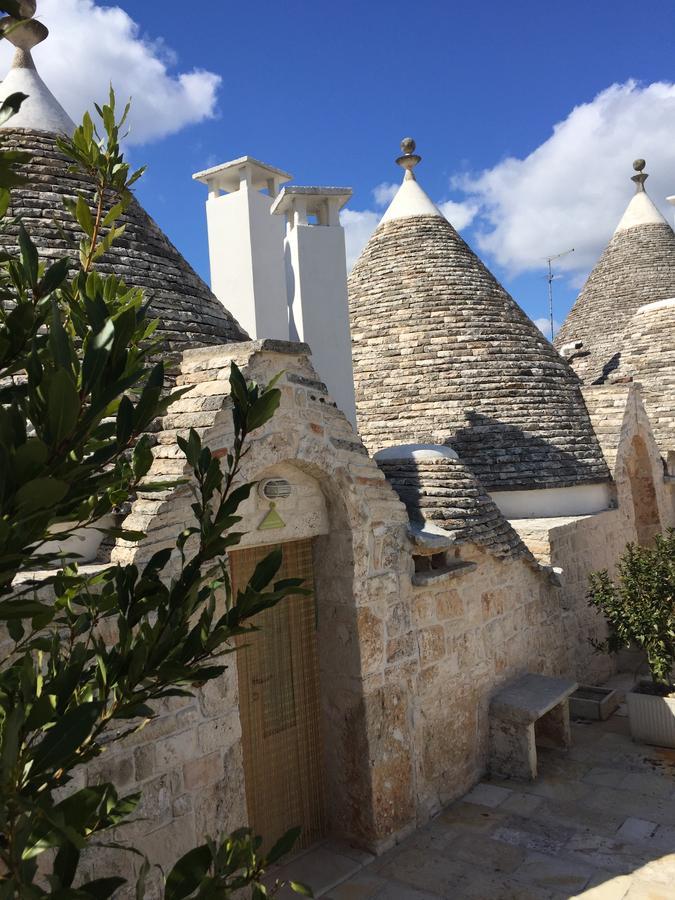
(438, 576)
(269, 345)
(430, 539)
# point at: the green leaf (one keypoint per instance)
(125, 421)
(11, 106)
(84, 216)
(30, 458)
(29, 256)
(40, 493)
(114, 213)
(301, 888)
(10, 737)
(63, 406)
(58, 339)
(187, 874)
(5, 200)
(266, 569)
(67, 735)
(21, 609)
(284, 845)
(263, 409)
(54, 276)
(101, 888)
(65, 864)
(96, 355)
(141, 460)
(238, 385)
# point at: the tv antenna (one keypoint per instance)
(550, 278)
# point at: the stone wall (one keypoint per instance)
(406, 672)
(190, 758)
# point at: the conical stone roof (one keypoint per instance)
(441, 491)
(444, 355)
(189, 313)
(637, 267)
(648, 356)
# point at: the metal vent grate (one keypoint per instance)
(275, 489)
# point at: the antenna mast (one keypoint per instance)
(550, 278)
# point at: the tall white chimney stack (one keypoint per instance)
(246, 244)
(316, 279)
(278, 264)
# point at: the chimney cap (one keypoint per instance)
(315, 196)
(227, 176)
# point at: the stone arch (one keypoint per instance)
(326, 514)
(643, 492)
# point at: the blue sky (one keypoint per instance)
(327, 91)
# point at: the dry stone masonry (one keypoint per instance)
(189, 314)
(443, 492)
(443, 354)
(636, 268)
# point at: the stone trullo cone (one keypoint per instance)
(636, 267)
(444, 355)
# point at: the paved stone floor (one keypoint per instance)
(598, 823)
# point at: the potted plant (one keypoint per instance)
(640, 611)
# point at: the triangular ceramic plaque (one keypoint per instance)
(271, 520)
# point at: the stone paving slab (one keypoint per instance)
(598, 823)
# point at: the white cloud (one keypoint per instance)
(358, 228)
(544, 325)
(459, 214)
(90, 46)
(572, 189)
(384, 193)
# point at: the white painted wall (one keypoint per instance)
(316, 278)
(579, 500)
(247, 261)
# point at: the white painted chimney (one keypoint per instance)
(316, 279)
(246, 244)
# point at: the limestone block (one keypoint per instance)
(219, 734)
(513, 753)
(401, 647)
(203, 770)
(370, 630)
(431, 643)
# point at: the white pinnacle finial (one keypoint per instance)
(641, 176)
(640, 210)
(410, 200)
(40, 111)
(409, 159)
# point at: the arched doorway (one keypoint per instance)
(645, 506)
(314, 518)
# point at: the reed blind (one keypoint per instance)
(279, 697)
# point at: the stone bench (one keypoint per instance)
(532, 710)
